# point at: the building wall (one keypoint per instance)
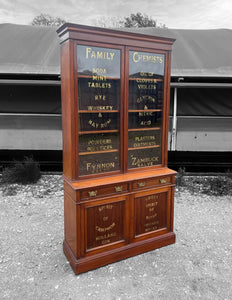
(30, 119)
(203, 120)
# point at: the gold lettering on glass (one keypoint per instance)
(144, 162)
(147, 58)
(100, 167)
(104, 55)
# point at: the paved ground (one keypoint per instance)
(32, 264)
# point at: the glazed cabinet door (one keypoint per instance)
(99, 95)
(145, 108)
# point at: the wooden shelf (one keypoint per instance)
(146, 147)
(99, 152)
(98, 131)
(144, 110)
(144, 129)
(97, 111)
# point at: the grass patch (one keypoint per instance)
(180, 177)
(209, 185)
(22, 172)
(218, 186)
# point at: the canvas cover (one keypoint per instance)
(203, 102)
(27, 49)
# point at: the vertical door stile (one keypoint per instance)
(126, 95)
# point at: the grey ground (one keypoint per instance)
(33, 266)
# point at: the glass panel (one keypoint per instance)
(145, 108)
(145, 93)
(99, 142)
(140, 158)
(98, 121)
(138, 139)
(99, 95)
(143, 62)
(99, 163)
(98, 61)
(145, 119)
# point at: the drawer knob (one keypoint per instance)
(92, 193)
(141, 184)
(163, 180)
(118, 188)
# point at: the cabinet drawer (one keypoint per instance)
(104, 191)
(152, 182)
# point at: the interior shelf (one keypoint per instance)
(97, 152)
(144, 129)
(98, 111)
(144, 110)
(146, 147)
(98, 131)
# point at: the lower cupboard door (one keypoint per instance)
(105, 224)
(152, 213)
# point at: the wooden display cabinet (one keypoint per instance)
(118, 191)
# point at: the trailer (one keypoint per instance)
(200, 123)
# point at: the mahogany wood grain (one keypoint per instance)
(109, 216)
(85, 264)
(81, 184)
(93, 34)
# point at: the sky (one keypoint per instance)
(181, 14)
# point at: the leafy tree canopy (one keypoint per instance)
(139, 20)
(134, 20)
(47, 20)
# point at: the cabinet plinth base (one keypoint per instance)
(85, 264)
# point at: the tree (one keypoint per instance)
(139, 20)
(134, 20)
(110, 22)
(47, 20)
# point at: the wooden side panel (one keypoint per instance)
(172, 207)
(68, 104)
(70, 224)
